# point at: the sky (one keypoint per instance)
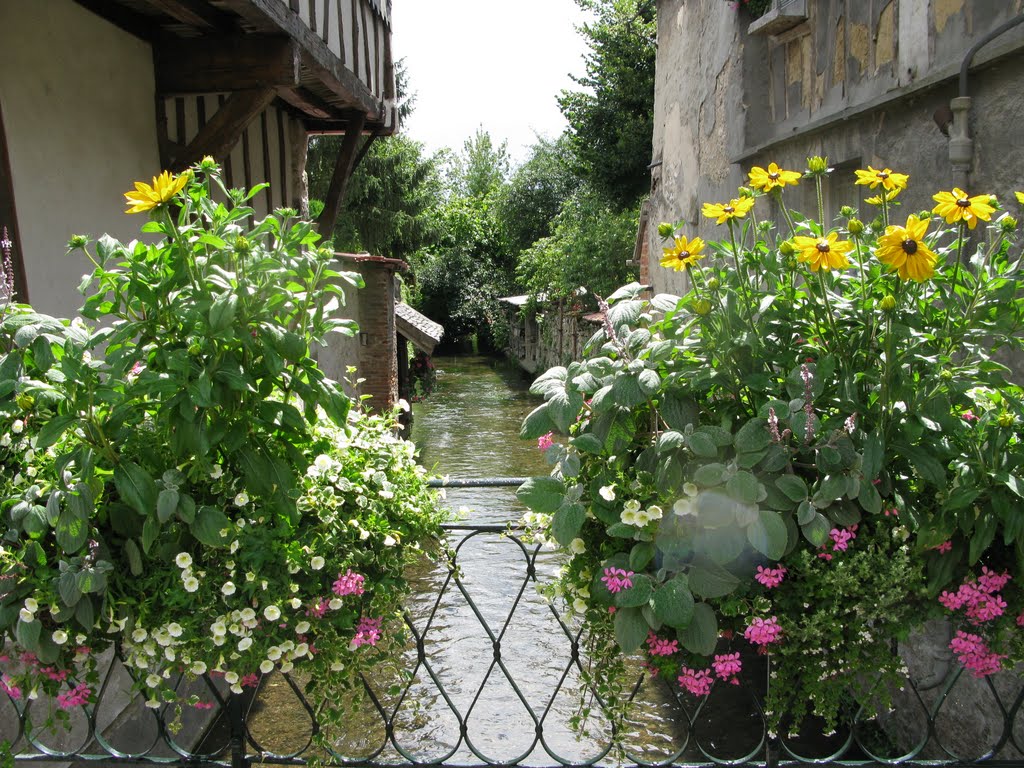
(489, 63)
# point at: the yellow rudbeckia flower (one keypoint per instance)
(723, 212)
(768, 179)
(826, 253)
(902, 249)
(683, 254)
(1020, 197)
(145, 197)
(884, 197)
(888, 178)
(956, 206)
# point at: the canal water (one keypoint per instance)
(499, 665)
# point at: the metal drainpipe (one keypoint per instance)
(961, 145)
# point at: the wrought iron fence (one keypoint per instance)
(494, 675)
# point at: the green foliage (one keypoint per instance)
(590, 246)
(182, 442)
(611, 119)
(812, 454)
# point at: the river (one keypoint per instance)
(491, 641)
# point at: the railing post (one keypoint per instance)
(237, 726)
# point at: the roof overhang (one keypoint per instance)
(419, 329)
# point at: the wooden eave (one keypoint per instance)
(230, 46)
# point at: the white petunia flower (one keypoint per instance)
(273, 653)
(245, 643)
(152, 680)
(174, 629)
(317, 563)
(654, 512)
(228, 588)
(684, 507)
(241, 499)
(230, 678)
(266, 666)
(577, 547)
(272, 613)
(18, 426)
(198, 667)
(139, 635)
(390, 541)
(302, 628)
(183, 560)
(60, 637)
(217, 472)
(191, 584)
(31, 604)
(608, 492)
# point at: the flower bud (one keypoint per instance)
(208, 164)
(786, 248)
(713, 284)
(855, 227)
(1005, 419)
(1008, 223)
(848, 211)
(242, 245)
(993, 201)
(702, 306)
(746, 192)
(77, 241)
(666, 230)
(924, 215)
(817, 166)
(946, 375)
(888, 303)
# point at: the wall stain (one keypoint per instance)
(860, 46)
(885, 48)
(944, 10)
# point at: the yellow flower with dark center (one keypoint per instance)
(826, 253)
(956, 206)
(773, 177)
(145, 197)
(889, 179)
(723, 212)
(683, 254)
(902, 249)
(884, 196)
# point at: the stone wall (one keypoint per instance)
(858, 81)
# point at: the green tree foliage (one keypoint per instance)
(536, 191)
(590, 245)
(388, 208)
(611, 120)
(459, 277)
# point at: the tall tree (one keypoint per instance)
(611, 121)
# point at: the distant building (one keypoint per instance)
(546, 333)
(865, 82)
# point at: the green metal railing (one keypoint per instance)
(442, 710)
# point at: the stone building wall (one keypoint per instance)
(858, 81)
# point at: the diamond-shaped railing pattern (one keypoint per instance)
(492, 674)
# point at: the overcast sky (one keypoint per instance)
(493, 63)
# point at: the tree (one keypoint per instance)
(590, 246)
(535, 193)
(611, 121)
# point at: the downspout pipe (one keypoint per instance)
(961, 145)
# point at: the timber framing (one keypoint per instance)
(223, 130)
(9, 219)
(343, 168)
(213, 64)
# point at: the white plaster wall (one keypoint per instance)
(78, 104)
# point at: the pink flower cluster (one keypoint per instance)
(944, 547)
(727, 667)
(978, 598)
(7, 686)
(348, 583)
(617, 579)
(367, 632)
(763, 631)
(657, 646)
(697, 683)
(841, 538)
(75, 697)
(203, 705)
(1020, 620)
(545, 441)
(250, 681)
(975, 655)
(318, 609)
(770, 577)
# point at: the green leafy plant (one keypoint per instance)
(799, 454)
(181, 442)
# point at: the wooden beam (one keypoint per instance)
(343, 167)
(9, 224)
(144, 27)
(305, 102)
(216, 64)
(222, 132)
(316, 55)
(194, 13)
